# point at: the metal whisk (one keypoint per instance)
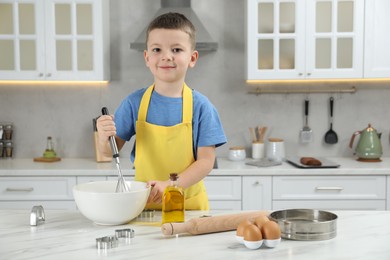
(122, 185)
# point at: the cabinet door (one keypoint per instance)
(74, 38)
(334, 38)
(256, 193)
(275, 39)
(376, 39)
(21, 40)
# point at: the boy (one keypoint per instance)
(177, 129)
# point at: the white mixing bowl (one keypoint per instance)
(99, 202)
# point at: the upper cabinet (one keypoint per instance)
(54, 40)
(377, 39)
(305, 39)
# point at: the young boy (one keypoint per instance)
(177, 129)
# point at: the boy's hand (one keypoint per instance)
(157, 191)
(106, 127)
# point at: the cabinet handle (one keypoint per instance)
(308, 74)
(40, 75)
(48, 75)
(330, 188)
(256, 183)
(20, 189)
(300, 74)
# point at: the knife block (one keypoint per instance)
(99, 156)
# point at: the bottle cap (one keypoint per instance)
(173, 176)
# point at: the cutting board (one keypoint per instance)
(43, 159)
(295, 161)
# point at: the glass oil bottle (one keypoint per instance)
(173, 202)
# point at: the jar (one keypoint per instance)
(237, 153)
(7, 131)
(1, 149)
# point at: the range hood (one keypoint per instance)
(204, 42)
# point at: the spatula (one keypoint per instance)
(306, 132)
(331, 136)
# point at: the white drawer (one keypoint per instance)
(47, 204)
(223, 187)
(225, 205)
(330, 204)
(329, 187)
(37, 188)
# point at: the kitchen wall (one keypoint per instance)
(66, 112)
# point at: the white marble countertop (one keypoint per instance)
(68, 235)
(89, 167)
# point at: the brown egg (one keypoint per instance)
(259, 221)
(241, 227)
(252, 233)
(271, 230)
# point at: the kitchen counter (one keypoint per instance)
(89, 167)
(68, 235)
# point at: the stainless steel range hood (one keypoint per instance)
(204, 42)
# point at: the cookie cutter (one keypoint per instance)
(37, 215)
(106, 242)
(124, 233)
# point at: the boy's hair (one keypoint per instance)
(175, 21)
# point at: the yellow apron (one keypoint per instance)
(161, 150)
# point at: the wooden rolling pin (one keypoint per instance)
(205, 225)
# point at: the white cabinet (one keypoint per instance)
(298, 39)
(256, 193)
(376, 39)
(224, 192)
(25, 192)
(54, 40)
(326, 192)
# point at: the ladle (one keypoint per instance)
(122, 185)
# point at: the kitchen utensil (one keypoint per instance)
(331, 136)
(257, 150)
(124, 233)
(306, 224)
(98, 202)
(306, 135)
(369, 147)
(106, 242)
(37, 215)
(121, 185)
(296, 161)
(204, 225)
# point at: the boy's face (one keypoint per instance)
(169, 55)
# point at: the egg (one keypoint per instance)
(240, 230)
(270, 230)
(259, 221)
(271, 234)
(253, 238)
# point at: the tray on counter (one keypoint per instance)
(295, 161)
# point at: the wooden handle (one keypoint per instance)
(206, 225)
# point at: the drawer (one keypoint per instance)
(46, 204)
(85, 179)
(330, 204)
(329, 187)
(37, 188)
(223, 187)
(225, 205)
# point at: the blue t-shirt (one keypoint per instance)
(167, 111)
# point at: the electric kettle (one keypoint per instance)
(369, 147)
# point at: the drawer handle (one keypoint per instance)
(20, 189)
(330, 188)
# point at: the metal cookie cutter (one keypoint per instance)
(124, 233)
(37, 215)
(106, 242)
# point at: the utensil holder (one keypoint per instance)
(257, 150)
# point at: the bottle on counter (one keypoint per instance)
(173, 201)
(49, 152)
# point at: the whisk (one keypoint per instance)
(122, 185)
